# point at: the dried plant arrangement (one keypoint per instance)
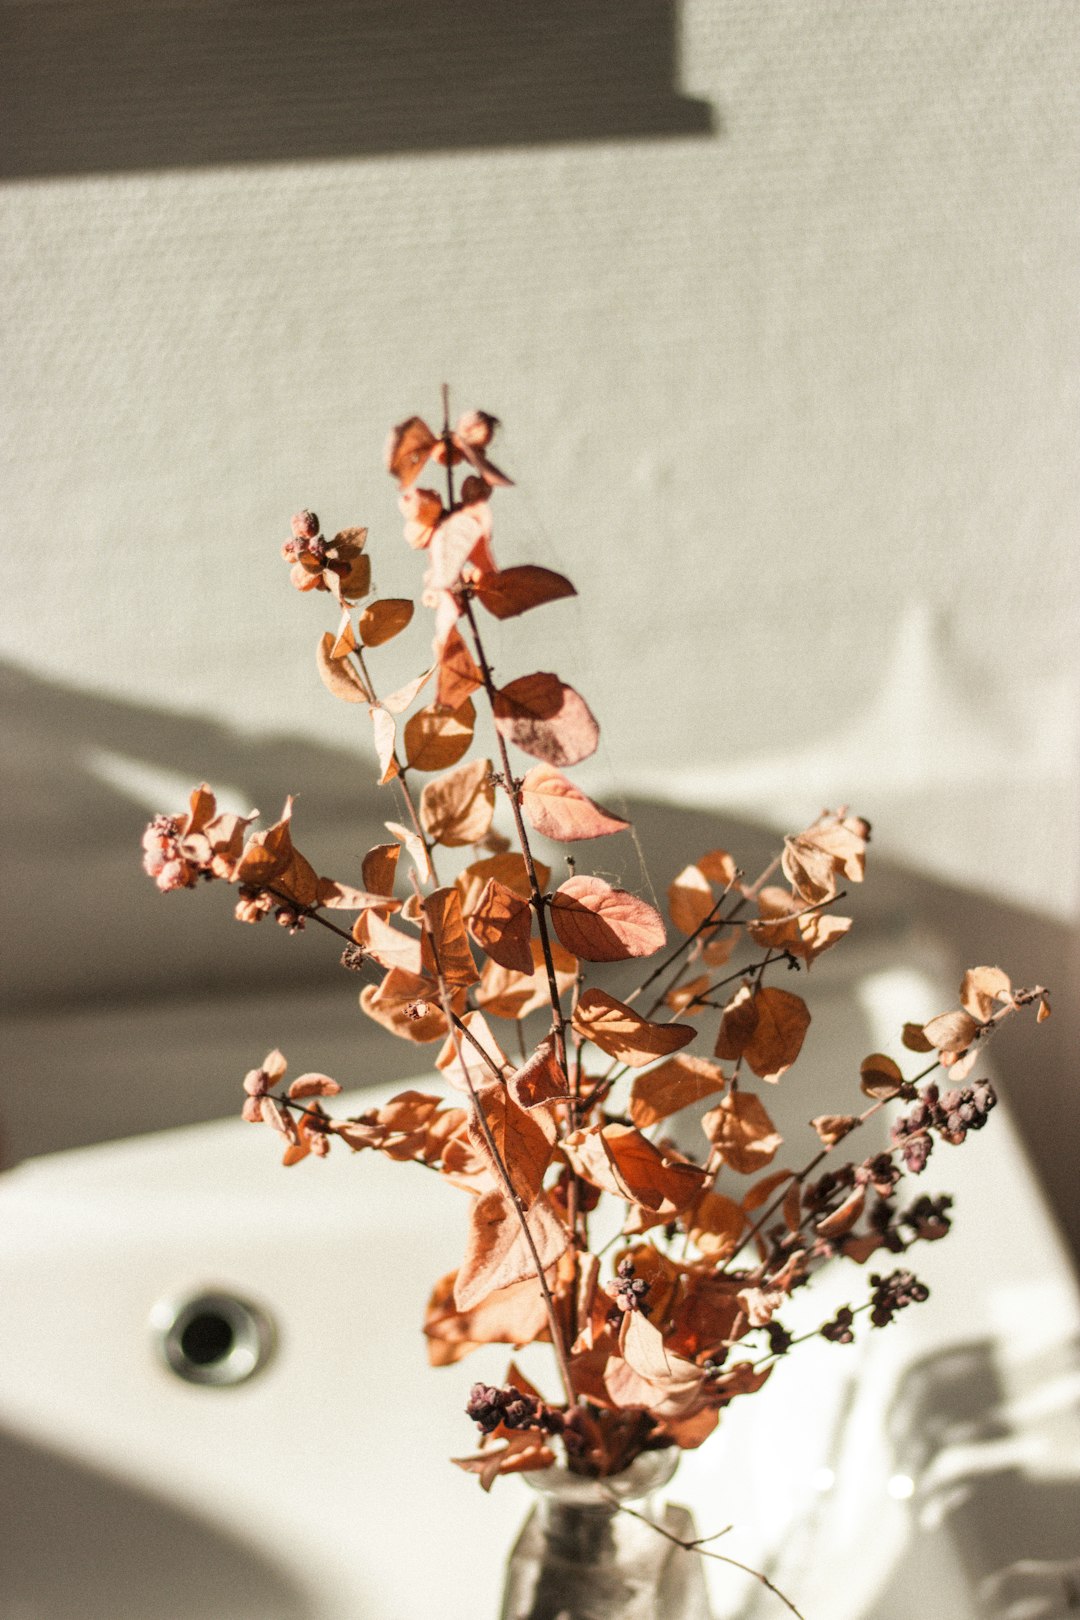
(677, 1307)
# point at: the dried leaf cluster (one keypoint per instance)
(657, 1330)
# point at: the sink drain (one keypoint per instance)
(212, 1337)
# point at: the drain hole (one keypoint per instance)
(206, 1339)
(212, 1337)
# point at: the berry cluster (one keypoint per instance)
(839, 1330)
(164, 858)
(893, 1293)
(628, 1291)
(490, 1406)
(952, 1113)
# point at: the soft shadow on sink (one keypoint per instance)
(76, 1542)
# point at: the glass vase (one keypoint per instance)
(579, 1558)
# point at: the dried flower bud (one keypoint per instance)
(305, 525)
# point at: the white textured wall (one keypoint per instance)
(794, 404)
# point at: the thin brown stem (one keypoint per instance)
(554, 1326)
(698, 1546)
(558, 1025)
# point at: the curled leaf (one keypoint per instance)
(832, 1128)
(338, 675)
(385, 730)
(619, 1159)
(715, 1226)
(983, 988)
(408, 449)
(415, 846)
(539, 1080)
(623, 1033)
(407, 1004)
(951, 1031)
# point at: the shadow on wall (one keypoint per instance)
(130, 1011)
(75, 1541)
(101, 85)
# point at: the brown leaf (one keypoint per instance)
(385, 742)
(684, 997)
(524, 1141)
(880, 1076)
(620, 1160)
(843, 1219)
(675, 1084)
(737, 1025)
(690, 899)
(345, 641)
(649, 1374)
(502, 926)
(544, 717)
(506, 994)
(338, 675)
(415, 846)
(809, 869)
(602, 924)
(459, 673)
(457, 808)
(951, 1031)
(444, 943)
(623, 1033)
(313, 1085)
(763, 1190)
(497, 1254)
(389, 946)
(742, 1132)
(422, 510)
(407, 1005)
(523, 1451)
(783, 1020)
(507, 869)
(983, 988)
(513, 1315)
(379, 867)
(511, 591)
(1044, 1010)
(400, 700)
(715, 1226)
(454, 542)
(539, 1080)
(436, 738)
(783, 925)
(408, 448)
(471, 1070)
(914, 1039)
(718, 866)
(381, 621)
(559, 810)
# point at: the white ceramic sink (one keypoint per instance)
(320, 1488)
